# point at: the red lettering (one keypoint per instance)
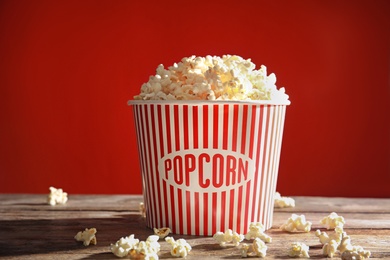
(168, 167)
(231, 173)
(243, 170)
(218, 172)
(215, 169)
(189, 164)
(178, 169)
(203, 183)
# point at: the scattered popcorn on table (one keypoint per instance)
(229, 77)
(296, 223)
(244, 248)
(283, 202)
(356, 253)
(256, 230)
(142, 209)
(123, 246)
(180, 247)
(330, 248)
(87, 236)
(137, 249)
(333, 220)
(162, 232)
(345, 244)
(153, 243)
(298, 249)
(229, 237)
(337, 235)
(57, 196)
(349, 251)
(258, 248)
(146, 249)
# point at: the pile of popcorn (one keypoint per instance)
(229, 77)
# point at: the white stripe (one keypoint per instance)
(210, 145)
(219, 213)
(259, 202)
(201, 216)
(158, 154)
(269, 165)
(191, 202)
(181, 207)
(200, 146)
(276, 159)
(173, 148)
(236, 190)
(152, 162)
(229, 148)
(253, 184)
(244, 188)
(167, 191)
(148, 203)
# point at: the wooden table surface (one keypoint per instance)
(32, 229)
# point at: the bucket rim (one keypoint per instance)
(208, 102)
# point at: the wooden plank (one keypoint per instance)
(31, 229)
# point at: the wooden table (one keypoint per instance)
(31, 229)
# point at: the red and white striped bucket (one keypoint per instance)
(208, 166)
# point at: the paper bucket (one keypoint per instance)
(208, 166)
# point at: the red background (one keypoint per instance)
(67, 69)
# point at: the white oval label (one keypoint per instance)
(206, 170)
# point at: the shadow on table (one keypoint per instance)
(56, 235)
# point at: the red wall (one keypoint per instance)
(67, 69)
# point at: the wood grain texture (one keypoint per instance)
(29, 228)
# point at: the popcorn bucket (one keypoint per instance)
(208, 166)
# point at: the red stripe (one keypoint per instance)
(248, 195)
(225, 126)
(205, 126)
(173, 216)
(167, 223)
(249, 183)
(258, 173)
(195, 126)
(197, 219)
(252, 131)
(239, 208)
(206, 213)
(269, 170)
(144, 169)
(235, 128)
(251, 148)
(232, 214)
(223, 210)
(160, 130)
(216, 133)
(264, 173)
(151, 182)
(244, 128)
(141, 145)
(188, 211)
(157, 175)
(214, 213)
(168, 123)
(180, 209)
(185, 126)
(243, 145)
(177, 127)
(271, 167)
